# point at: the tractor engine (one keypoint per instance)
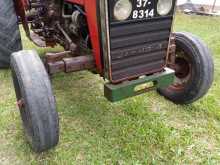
(55, 21)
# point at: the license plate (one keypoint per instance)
(143, 9)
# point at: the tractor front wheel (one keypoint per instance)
(194, 70)
(35, 100)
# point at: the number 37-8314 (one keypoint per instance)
(143, 13)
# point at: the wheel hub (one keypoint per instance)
(183, 70)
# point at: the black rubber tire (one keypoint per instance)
(202, 70)
(10, 39)
(32, 85)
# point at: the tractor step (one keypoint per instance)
(117, 92)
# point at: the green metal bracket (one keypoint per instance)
(117, 92)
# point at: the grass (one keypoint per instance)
(146, 129)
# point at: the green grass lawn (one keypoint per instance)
(146, 129)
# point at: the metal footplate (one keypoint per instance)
(117, 92)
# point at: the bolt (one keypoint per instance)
(20, 103)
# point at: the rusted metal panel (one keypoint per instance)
(54, 57)
(171, 52)
(138, 48)
(79, 63)
(62, 62)
(56, 67)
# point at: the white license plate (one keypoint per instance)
(143, 9)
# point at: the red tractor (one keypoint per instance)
(129, 43)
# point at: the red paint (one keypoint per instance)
(90, 7)
(79, 2)
(20, 7)
(25, 3)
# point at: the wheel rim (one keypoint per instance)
(25, 116)
(183, 70)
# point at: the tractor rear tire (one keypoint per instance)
(10, 39)
(35, 100)
(196, 70)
